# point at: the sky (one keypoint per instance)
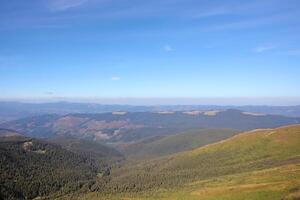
(158, 49)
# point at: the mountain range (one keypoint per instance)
(118, 127)
(13, 110)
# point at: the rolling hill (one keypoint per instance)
(165, 145)
(259, 164)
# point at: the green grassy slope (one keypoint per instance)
(261, 164)
(161, 146)
(277, 183)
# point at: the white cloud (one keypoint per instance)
(264, 48)
(61, 5)
(115, 78)
(168, 48)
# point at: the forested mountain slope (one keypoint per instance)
(31, 168)
(87, 148)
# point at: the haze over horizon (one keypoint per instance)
(157, 52)
(264, 101)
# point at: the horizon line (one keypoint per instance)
(157, 101)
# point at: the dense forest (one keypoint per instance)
(31, 168)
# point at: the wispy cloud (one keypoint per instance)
(62, 5)
(264, 48)
(249, 8)
(293, 52)
(254, 13)
(115, 78)
(253, 22)
(168, 48)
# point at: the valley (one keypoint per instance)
(203, 160)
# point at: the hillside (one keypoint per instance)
(131, 127)
(260, 164)
(7, 133)
(166, 145)
(31, 168)
(87, 148)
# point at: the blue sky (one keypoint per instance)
(149, 49)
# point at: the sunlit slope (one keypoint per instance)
(245, 152)
(277, 183)
(166, 145)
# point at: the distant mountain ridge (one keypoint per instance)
(133, 126)
(8, 133)
(14, 110)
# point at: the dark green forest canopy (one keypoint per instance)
(30, 168)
